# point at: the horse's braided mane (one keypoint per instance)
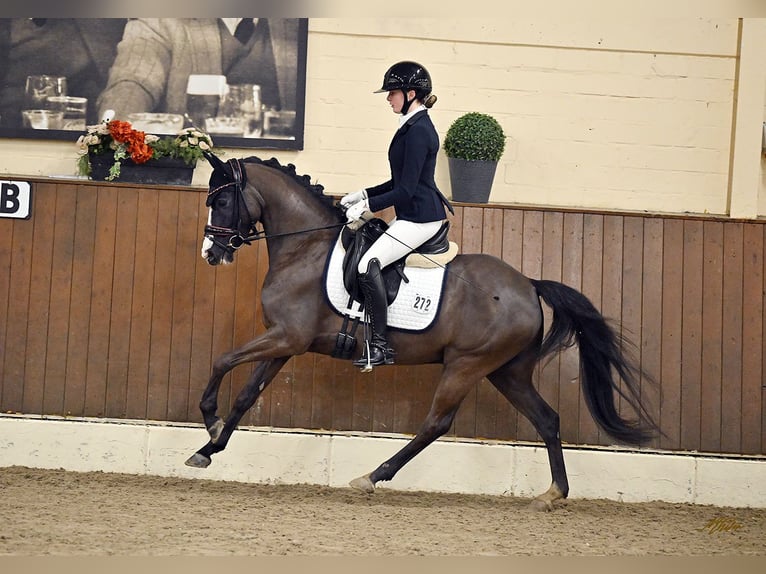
(316, 189)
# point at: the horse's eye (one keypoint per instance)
(221, 201)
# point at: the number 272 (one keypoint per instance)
(421, 303)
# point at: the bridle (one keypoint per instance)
(231, 238)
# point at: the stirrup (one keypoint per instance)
(386, 357)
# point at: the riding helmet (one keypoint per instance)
(406, 76)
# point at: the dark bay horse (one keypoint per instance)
(494, 332)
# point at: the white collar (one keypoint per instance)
(403, 119)
(232, 23)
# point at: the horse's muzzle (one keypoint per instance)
(215, 252)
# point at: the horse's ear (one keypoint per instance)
(213, 160)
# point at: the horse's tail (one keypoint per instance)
(602, 350)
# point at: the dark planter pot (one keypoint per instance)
(471, 181)
(162, 171)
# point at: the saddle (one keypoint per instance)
(356, 243)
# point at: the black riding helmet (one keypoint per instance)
(407, 76)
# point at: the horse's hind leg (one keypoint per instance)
(259, 380)
(452, 389)
(514, 381)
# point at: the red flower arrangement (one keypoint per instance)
(119, 140)
(134, 140)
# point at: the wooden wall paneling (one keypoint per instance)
(612, 287)
(512, 246)
(651, 317)
(549, 383)
(752, 338)
(19, 234)
(731, 338)
(107, 299)
(103, 275)
(569, 360)
(84, 200)
(362, 389)
(383, 406)
(142, 305)
(712, 327)
(343, 394)
(121, 300)
(187, 250)
(303, 369)
(456, 227)
(163, 294)
(406, 412)
(531, 266)
(592, 271)
(691, 346)
(59, 309)
(7, 227)
(203, 312)
(632, 287)
(669, 376)
(280, 395)
(322, 394)
(490, 404)
(39, 299)
(472, 240)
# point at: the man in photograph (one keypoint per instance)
(156, 57)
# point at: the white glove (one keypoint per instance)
(352, 198)
(355, 212)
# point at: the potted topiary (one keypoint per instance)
(473, 144)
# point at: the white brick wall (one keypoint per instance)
(608, 113)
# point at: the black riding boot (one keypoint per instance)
(376, 305)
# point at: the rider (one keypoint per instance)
(417, 202)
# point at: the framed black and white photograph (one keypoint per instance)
(241, 80)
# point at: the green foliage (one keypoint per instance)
(475, 136)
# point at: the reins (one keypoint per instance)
(237, 240)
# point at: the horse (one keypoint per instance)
(490, 323)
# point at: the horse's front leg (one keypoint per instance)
(221, 432)
(269, 345)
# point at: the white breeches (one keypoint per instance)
(400, 238)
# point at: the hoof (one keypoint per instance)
(215, 431)
(363, 483)
(198, 460)
(538, 505)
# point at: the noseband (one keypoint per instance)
(230, 238)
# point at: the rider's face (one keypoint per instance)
(396, 99)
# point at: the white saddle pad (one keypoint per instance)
(415, 307)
